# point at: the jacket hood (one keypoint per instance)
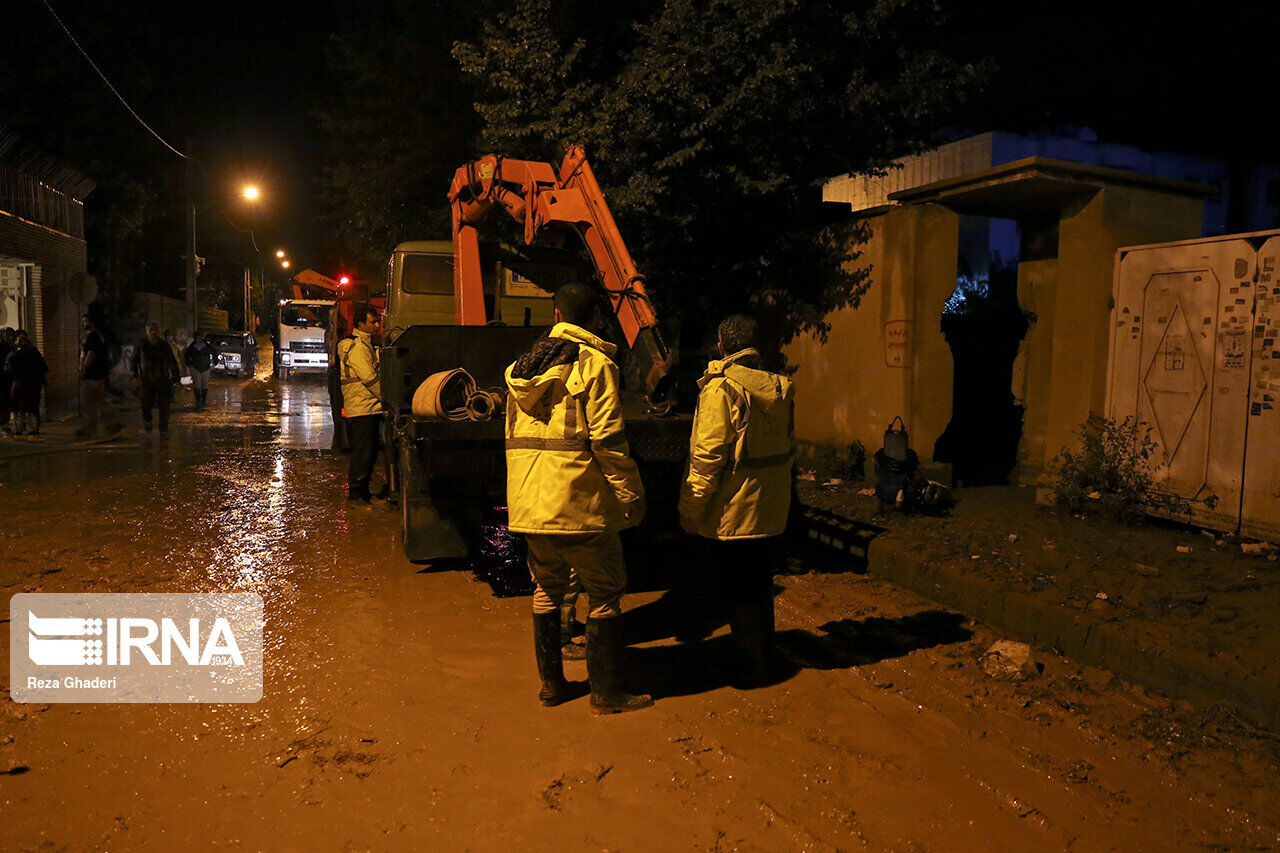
(768, 391)
(570, 332)
(529, 391)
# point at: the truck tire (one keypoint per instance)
(284, 373)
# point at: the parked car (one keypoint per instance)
(237, 352)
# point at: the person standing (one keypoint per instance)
(200, 357)
(736, 493)
(155, 370)
(361, 402)
(95, 366)
(27, 369)
(571, 486)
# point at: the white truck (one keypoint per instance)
(305, 329)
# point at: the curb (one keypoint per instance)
(1177, 668)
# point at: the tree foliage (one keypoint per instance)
(399, 124)
(712, 125)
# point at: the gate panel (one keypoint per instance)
(1177, 364)
(1260, 512)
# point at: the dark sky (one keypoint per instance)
(242, 81)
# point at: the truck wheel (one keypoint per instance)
(284, 373)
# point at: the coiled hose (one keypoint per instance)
(451, 395)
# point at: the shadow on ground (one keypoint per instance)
(700, 662)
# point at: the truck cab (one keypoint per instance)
(304, 331)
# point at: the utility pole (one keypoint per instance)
(192, 272)
(248, 306)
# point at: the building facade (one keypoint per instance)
(44, 281)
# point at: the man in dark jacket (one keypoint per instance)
(27, 368)
(95, 367)
(200, 357)
(155, 370)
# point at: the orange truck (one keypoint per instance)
(477, 305)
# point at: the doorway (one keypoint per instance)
(984, 327)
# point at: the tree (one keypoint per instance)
(401, 122)
(713, 135)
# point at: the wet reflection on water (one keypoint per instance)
(241, 497)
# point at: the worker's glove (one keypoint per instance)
(634, 511)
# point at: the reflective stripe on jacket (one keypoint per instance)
(358, 371)
(737, 482)
(569, 468)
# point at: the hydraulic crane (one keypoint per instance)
(547, 202)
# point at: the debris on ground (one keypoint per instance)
(1009, 660)
(1100, 602)
(1185, 549)
(1146, 570)
(1256, 547)
(1013, 537)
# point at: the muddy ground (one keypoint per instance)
(400, 703)
(1188, 611)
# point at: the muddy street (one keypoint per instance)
(400, 702)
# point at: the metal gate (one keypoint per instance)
(1192, 355)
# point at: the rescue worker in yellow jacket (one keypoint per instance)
(361, 402)
(736, 493)
(571, 486)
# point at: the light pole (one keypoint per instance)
(250, 193)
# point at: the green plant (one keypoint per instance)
(1112, 471)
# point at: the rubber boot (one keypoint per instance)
(604, 669)
(546, 646)
(753, 627)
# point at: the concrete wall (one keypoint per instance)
(1033, 367)
(1075, 351)
(886, 357)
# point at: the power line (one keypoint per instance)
(200, 166)
(113, 89)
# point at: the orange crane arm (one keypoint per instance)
(535, 195)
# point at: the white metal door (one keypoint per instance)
(1180, 363)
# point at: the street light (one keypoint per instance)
(279, 253)
(284, 264)
(248, 192)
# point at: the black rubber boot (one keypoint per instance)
(752, 625)
(546, 645)
(604, 669)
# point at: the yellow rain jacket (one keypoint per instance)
(737, 483)
(358, 370)
(568, 463)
